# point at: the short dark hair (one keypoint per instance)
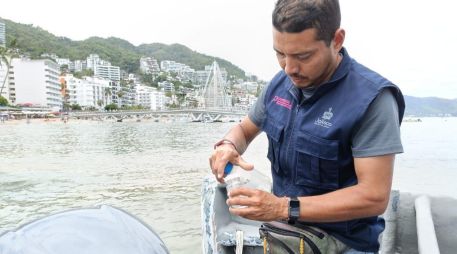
(294, 16)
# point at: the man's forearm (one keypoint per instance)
(242, 134)
(341, 205)
(237, 137)
(369, 197)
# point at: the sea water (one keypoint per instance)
(155, 170)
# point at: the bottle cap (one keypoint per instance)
(228, 168)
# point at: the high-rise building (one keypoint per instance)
(80, 65)
(108, 72)
(88, 92)
(2, 34)
(92, 60)
(36, 82)
(149, 97)
(149, 65)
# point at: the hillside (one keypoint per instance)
(430, 106)
(36, 41)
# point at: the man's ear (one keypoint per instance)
(338, 39)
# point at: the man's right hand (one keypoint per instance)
(240, 136)
(221, 155)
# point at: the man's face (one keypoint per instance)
(307, 61)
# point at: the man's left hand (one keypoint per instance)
(260, 205)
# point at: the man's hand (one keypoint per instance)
(223, 154)
(240, 136)
(261, 205)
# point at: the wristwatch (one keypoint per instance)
(294, 210)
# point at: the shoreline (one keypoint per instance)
(11, 122)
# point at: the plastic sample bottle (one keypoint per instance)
(236, 177)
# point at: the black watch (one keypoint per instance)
(294, 210)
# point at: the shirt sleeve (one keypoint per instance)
(257, 112)
(379, 132)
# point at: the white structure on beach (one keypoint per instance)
(88, 92)
(214, 94)
(36, 82)
(149, 97)
(201, 76)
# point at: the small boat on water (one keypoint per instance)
(414, 224)
(102, 229)
(412, 120)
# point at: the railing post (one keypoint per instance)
(426, 235)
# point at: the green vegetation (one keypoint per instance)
(134, 107)
(75, 107)
(111, 106)
(86, 72)
(3, 101)
(35, 41)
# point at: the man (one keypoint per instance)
(333, 131)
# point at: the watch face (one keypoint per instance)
(294, 203)
(294, 208)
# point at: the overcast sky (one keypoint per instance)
(411, 42)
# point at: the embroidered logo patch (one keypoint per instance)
(282, 102)
(327, 114)
(324, 121)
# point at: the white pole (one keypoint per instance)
(426, 236)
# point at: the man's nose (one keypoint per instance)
(291, 66)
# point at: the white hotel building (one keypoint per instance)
(102, 68)
(36, 82)
(107, 72)
(88, 92)
(149, 97)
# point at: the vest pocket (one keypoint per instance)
(274, 133)
(317, 162)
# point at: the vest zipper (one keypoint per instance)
(290, 137)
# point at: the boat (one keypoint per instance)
(412, 120)
(415, 223)
(222, 231)
(102, 229)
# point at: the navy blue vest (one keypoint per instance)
(310, 144)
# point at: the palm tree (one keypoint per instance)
(107, 92)
(5, 55)
(100, 103)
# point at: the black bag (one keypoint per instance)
(279, 238)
